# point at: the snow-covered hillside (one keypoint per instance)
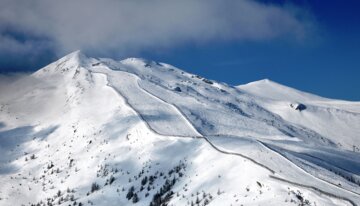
(95, 131)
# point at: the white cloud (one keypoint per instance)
(122, 26)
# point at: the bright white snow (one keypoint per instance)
(95, 131)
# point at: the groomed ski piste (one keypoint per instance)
(95, 131)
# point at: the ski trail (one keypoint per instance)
(315, 189)
(238, 154)
(177, 110)
(204, 137)
(157, 115)
(273, 175)
(185, 118)
(137, 113)
(257, 163)
(295, 165)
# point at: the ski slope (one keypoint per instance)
(95, 131)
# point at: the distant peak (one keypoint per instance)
(69, 62)
(266, 81)
(77, 52)
(270, 89)
(142, 61)
(263, 82)
(133, 59)
(74, 58)
(76, 55)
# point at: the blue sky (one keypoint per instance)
(327, 64)
(309, 45)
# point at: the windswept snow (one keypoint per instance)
(95, 131)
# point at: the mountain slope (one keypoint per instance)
(101, 132)
(325, 116)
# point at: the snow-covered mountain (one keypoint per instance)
(94, 131)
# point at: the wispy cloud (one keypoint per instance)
(10, 80)
(33, 28)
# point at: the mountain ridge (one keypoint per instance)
(136, 118)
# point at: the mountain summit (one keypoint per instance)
(95, 131)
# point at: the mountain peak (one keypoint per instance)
(262, 82)
(140, 62)
(78, 54)
(269, 89)
(67, 63)
(76, 57)
(142, 124)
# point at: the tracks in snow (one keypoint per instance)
(148, 124)
(315, 189)
(257, 163)
(176, 109)
(299, 168)
(183, 116)
(129, 105)
(199, 135)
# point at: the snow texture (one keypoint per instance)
(95, 131)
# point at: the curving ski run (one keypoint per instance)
(272, 175)
(181, 119)
(146, 111)
(284, 157)
(86, 121)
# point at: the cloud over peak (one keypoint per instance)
(33, 27)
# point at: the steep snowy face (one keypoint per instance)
(95, 131)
